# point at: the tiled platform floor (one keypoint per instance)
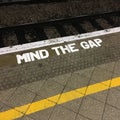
(104, 105)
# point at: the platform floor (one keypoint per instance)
(80, 85)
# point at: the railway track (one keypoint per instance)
(22, 34)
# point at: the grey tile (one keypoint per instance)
(101, 96)
(61, 113)
(3, 107)
(6, 94)
(62, 79)
(118, 88)
(77, 81)
(50, 88)
(41, 115)
(101, 75)
(25, 118)
(73, 105)
(34, 86)
(115, 75)
(85, 72)
(117, 67)
(79, 117)
(20, 98)
(114, 97)
(111, 113)
(107, 66)
(91, 108)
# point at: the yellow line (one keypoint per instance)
(65, 97)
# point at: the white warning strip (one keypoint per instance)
(33, 45)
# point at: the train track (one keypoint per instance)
(22, 34)
(11, 2)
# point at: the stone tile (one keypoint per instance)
(34, 86)
(79, 117)
(101, 96)
(50, 88)
(62, 79)
(42, 114)
(20, 98)
(73, 105)
(25, 118)
(115, 75)
(77, 81)
(91, 108)
(114, 97)
(3, 107)
(101, 75)
(107, 66)
(111, 113)
(118, 88)
(6, 94)
(67, 89)
(61, 113)
(117, 67)
(85, 72)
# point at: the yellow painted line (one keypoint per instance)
(65, 97)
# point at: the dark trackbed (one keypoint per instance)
(22, 34)
(11, 2)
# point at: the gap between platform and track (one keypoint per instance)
(63, 98)
(33, 45)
